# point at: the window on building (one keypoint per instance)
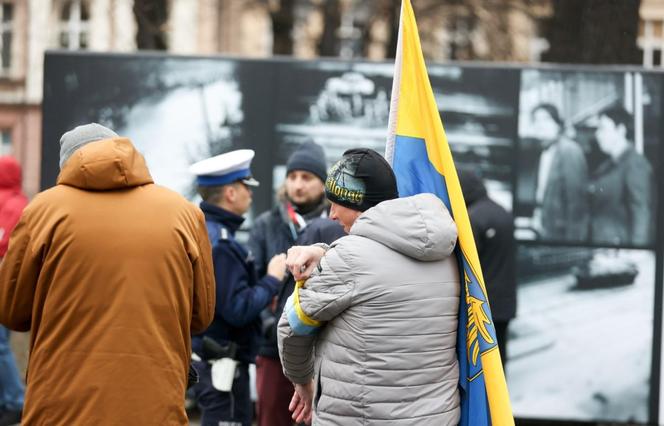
(460, 33)
(651, 41)
(657, 57)
(6, 142)
(6, 29)
(74, 25)
(151, 19)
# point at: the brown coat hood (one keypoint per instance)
(111, 274)
(105, 165)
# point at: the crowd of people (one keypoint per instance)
(344, 294)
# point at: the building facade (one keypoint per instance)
(29, 28)
(651, 32)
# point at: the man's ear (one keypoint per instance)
(229, 194)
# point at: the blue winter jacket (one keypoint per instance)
(241, 296)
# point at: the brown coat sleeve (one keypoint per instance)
(19, 272)
(204, 288)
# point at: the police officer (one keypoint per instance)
(224, 182)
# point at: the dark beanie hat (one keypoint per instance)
(309, 157)
(361, 180)
(472, 186)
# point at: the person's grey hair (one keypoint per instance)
(81, 136)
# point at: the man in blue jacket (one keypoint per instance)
(224, 183)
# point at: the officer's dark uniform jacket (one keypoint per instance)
(241, 296)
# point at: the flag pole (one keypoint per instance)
(394, 100)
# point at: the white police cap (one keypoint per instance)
(226, 168)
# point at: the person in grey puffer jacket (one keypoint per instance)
(370, 338)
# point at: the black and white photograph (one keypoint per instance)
(176, 110)
(341, 105)
(585, 299)
(478, 106)
(587, 149)
(338, 105)
(583, 314)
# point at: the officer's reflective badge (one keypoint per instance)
(223, 234)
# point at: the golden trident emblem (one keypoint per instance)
(477, 321)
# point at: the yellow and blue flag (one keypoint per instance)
(418, 151)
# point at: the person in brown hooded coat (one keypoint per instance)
(111, 274)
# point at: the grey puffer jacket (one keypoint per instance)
(387, 299)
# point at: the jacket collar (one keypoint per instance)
(611, 163)
(226, 218)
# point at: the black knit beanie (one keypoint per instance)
(309, 157)
(361, 180)
(472, 186)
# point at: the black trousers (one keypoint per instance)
(501, 335)
(224, 408)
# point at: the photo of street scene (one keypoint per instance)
(582, 314)
(341, 105)
(176, 111)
